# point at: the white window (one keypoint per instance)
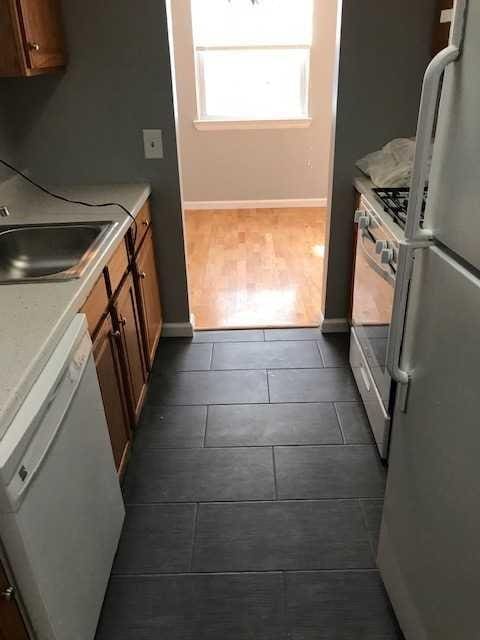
(252, 60)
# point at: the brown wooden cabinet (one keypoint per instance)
(12, 626)
(130, 326)
(115, 399)
(146, 273)
(124, 318)
(31, 37)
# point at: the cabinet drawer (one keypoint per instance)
(118, 266)
(95, 307)
(144, 221)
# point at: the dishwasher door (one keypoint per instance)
(61, 512)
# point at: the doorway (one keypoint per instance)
(254, 81)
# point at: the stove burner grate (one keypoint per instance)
(395, 203)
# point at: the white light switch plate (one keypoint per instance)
(446, 16)
(153, 144)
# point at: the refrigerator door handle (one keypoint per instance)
(399, 313)
(426, 122)
(400, 299)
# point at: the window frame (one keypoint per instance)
(203, 123)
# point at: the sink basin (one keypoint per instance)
(49, 251)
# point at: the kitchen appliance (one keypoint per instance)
(376, 258)
(395, 203)
(61, 509)
(429, 552)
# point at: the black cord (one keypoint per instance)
(80, 202)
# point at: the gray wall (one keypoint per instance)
(8, 150)
(385, 48)
(84, 126)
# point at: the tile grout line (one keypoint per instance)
(255, 501)
(226, 404)
(285, 605)
(194, 533)
(292, 445)
(242, 572)
(244, 402)
(275, 487)
(268, 386)
(339, 422)
(269, 368)
(206, 427)
(370, 537)
(296, 367)
(311, 445)
(321, 355)
(211, 357)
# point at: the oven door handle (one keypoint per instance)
(372, 259)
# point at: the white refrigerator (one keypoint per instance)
(429, 551)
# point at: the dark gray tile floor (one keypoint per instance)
(354, 423)
(254, 497)
(266, 355)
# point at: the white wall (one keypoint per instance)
(260, 164)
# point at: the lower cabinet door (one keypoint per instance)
(109, 371)
(11, 622)
(128, 319)
(150, 296)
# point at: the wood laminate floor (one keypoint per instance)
(255, 267)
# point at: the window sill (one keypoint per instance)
(224, 125)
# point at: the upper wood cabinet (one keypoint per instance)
(11, 621)
(31, 37)
(146, 270)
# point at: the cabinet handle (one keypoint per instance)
(34, 46)
(8, 594)
(142, 275)
(123, 321)
(146, 223)
(116, 335)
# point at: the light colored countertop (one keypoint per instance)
(34, 316)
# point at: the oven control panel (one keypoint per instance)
(374, 230)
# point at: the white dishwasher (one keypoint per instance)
(61, 508)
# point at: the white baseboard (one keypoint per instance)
(177, 330)
(255, 204)
(335, 325)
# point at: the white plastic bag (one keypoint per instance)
(392, 165)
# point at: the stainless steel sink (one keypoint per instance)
(49, 251)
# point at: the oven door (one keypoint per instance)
(372, 307)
